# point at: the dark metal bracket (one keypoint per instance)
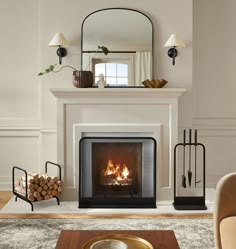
(172, 53)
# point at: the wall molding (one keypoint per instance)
(219, 122)
(19, 122)
(48, 131)
(19, 131)
(5, 183)
(216, 126)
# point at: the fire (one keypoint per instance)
(116, 171)
(125, 171)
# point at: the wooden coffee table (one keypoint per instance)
(75, 239)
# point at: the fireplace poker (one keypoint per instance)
(189, 171)
(195, 166)
(183, 176)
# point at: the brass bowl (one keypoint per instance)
(109, 243)
(154, 83)
(132, 242)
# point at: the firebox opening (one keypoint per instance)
(117, 169)
(117, 172)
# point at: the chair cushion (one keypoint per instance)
(228, 232)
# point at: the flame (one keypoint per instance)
(120, 174)
(110, 168)
(125, 171)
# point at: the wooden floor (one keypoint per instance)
(5, 196)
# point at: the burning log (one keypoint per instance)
(40, 187)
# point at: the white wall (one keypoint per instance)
(214, 84)
(28, 109)
(19, 88)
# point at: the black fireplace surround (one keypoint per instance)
(117, 172)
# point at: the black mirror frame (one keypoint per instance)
(117, 8)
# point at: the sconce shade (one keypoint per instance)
(175, 41)
(58, 40)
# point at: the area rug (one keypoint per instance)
(44, 233)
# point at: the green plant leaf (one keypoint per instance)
(104, 49)
(51, 67)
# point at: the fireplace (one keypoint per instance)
(127, 112)
(117, 172)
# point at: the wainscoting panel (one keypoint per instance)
(220, 154)
(219, 139)
(48, 149)
(18, 148)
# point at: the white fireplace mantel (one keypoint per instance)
(85, 111)
(117, 92)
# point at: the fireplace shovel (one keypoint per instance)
(183, 176)
(195, 135)
(189, 171)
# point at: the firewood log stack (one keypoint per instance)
(40, 187)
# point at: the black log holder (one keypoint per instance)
(25, 197)
(190, 202)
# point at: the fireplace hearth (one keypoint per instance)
(117, 172)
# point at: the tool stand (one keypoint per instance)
(189, 175)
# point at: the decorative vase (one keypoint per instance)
(82, 79)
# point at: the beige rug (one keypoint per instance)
(44, 233)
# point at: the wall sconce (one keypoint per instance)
(173, 42)
(59, 41)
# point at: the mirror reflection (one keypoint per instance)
(128, 34)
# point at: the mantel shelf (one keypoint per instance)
(117, 92)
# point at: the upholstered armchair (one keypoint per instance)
(225, 212)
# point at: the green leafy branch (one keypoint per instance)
(51, 68)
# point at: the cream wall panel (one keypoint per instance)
(19, 93)
(213, 83)
(18, 149)
(214, 63)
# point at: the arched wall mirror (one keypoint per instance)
(128, 34)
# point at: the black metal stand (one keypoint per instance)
(25, 198)
(189, 202)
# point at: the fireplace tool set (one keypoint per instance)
(189, 174)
